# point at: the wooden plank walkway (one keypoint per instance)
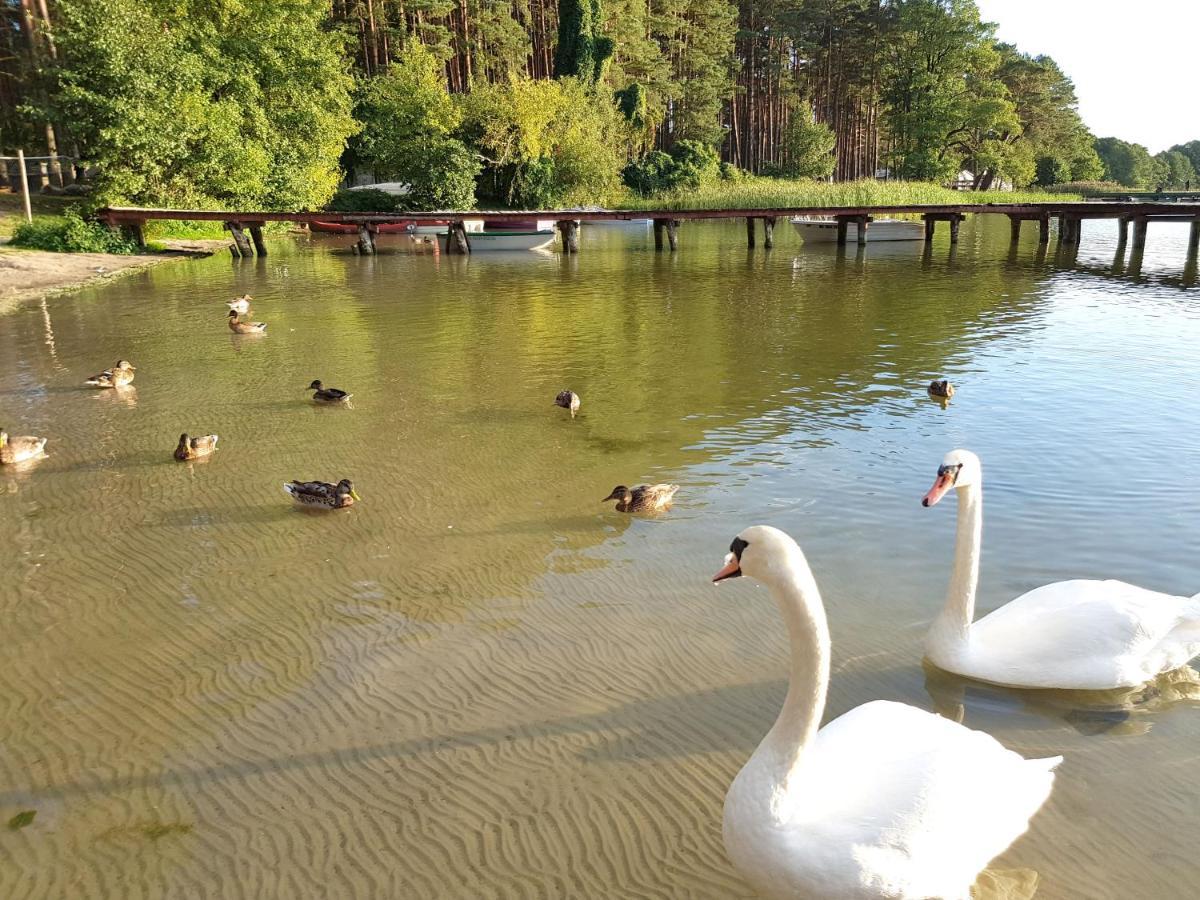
(1069, 214)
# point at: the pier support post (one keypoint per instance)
(955, 221)
(366, 240)
(1014, 228)
(750, 232)
(1122, 232)
(1139, 234)
(1044, 230)
(1193, 239)
(768, 223)
(241, 243)
(930, 227)
(843, 225)
(672, 237)
(256, 235)
(569, 231)
(862, 222)
(659, 224)
(457, 241)
(133, 231)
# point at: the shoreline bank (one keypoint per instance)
(34, 274)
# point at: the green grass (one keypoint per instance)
(69, 233)
(779, 193)
(180, 229)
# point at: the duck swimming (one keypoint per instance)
(19, 447)
(643, 498)
(240, 304)
(322, 495)
(328, 395)
(118, 376)
(942, 389)
(195, 448)
(568, 400)
(239, 327)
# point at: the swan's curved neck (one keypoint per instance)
(800, 603)
(954, 623)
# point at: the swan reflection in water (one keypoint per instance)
(1120, 711)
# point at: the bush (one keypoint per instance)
(69, 233)
(364, 200)
(688, 166)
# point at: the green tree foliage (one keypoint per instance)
(1128, 164)
(1192, 151)
(1176, 168)
(689, 166)
(583, 50)
(546, 142)
(408, 124)
(205, 102)
(938, 93)
(808, 148)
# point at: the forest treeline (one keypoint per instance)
(539, 102)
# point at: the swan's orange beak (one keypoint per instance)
(944, 482)
(731, 569)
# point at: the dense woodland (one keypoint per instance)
(533, 102)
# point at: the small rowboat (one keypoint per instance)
(399, 227)
(503, 240)
(824, 231)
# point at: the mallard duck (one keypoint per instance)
(118, 376)
(568, 400)
(195, 448)
(239, 327)
(19, 447)
(327, 395)
(240, 304)
(943, 389)
(643, 498)
(323, 494)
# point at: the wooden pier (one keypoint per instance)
(668, 222)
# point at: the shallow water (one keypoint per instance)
(481, 682)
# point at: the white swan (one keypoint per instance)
(885, 801)
(1074, 635)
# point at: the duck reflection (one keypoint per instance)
(1123, 711)
(125, 395)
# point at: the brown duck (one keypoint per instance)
(118, 376)
(643, 498)
(321, 494)
(942, 389)
(19, 447)
(195, 448)
(237, 326)
(568, 400)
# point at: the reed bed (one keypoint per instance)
(776, 193)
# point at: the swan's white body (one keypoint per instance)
(1072, 635)
(887, 801)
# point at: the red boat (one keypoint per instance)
(383, 227)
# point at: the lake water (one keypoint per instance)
(482, 682)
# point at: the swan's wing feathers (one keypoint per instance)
(922, 796)
(1091, 633)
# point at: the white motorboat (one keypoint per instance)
(473, 226)
(824, 231)
(503, 240)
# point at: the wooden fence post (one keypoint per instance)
(24, 185)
